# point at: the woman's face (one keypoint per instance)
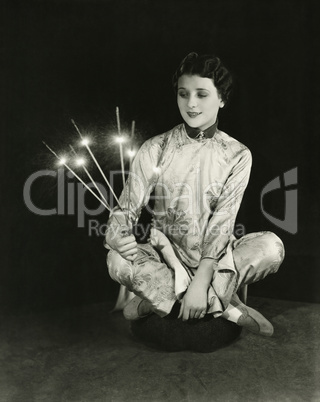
(198, 101)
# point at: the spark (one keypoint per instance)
(85, 142)
(131, 153)
(88, 174)
(63, 162)
(97, 164)
(80, 161)
(120, 140)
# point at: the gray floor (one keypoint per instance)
(86, 354)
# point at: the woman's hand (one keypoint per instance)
(194, 302)
(124, 243)
(127, 247)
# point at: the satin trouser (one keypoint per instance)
(254, 256)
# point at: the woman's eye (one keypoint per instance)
(202, 95)
(183, 94)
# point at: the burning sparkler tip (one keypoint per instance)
(120, 139)
(131, 153)
(80, 161)
(62, 161)
(85, 141)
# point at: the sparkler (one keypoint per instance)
(120, 140)
(131, 154)
(85, 142)
(63, 161)
(81, 162)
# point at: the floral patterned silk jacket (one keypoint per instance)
(197, 186)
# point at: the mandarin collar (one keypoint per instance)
(208, 132)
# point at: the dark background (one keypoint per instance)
(81, 59)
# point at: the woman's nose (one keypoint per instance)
(192, 102)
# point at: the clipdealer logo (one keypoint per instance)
(75, 193)
(70, 196)
(290, 221)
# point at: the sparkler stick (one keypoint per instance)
(76, 176)
(131, 155)
(85, 143)
(90, 177)
(120, 141)
(133, 125)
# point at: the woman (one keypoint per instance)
(198, 174)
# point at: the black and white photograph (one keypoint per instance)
(160, 201)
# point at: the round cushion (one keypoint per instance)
(172, 334)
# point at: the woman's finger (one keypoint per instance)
(128, 247)
(186, 313)
(126, 240)
(129, 252)
(181, 309)
(131, 257)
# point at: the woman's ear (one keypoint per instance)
(221, 101)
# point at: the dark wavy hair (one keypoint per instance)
(206, 66)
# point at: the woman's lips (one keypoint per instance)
(193, 114)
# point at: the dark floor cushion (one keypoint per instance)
(172, 334)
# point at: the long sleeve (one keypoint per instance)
(225, 208)
(141, 182)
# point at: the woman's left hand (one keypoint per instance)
(194, 302)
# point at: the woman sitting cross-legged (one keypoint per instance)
(198, 174)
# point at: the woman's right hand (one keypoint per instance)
(127, 247)
(124, 244)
